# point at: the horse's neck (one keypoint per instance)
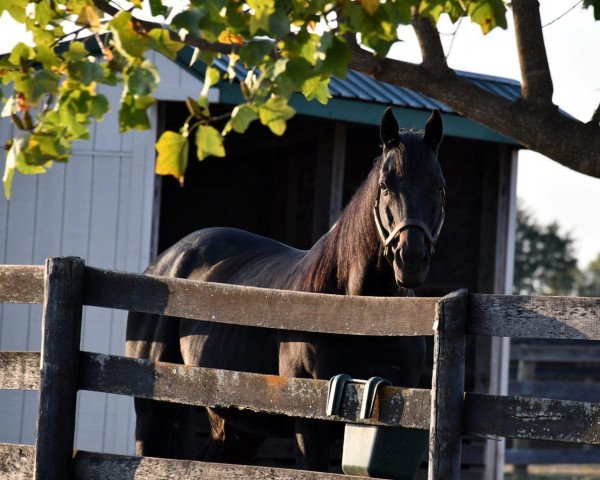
(349, 266)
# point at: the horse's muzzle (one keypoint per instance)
(410, 274)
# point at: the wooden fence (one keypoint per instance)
(60, 370)
(558, 370)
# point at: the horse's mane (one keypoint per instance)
(353, 238)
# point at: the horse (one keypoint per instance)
(381, 245)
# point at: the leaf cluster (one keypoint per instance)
(286, 46)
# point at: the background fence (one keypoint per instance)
(65, 284)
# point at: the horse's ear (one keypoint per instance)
(434, 130)
(389, 129)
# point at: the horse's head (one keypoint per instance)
(409, 208)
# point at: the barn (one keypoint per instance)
(107, 206)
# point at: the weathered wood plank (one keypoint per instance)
(61, 327)
(447, 392)
(405, 407)
(16, 463)
(579, 391)
(556, 353)
(21, 283)
(551, 456)
(261, 307)
(574, 318)
(19, 370)
(95, 466)
(533, 418)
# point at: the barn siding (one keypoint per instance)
(98, 207)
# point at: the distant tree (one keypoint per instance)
(545, 263)
(589, 284)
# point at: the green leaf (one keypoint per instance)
(16, 9)
(316, 89)
(142, 80)
(190, 20)
(211, 77)
(279, 24)
(46, 56)
(85, 72)
(127, 40)
(10, 165)
(209, 142)
(42, 148)
(241, 118)
(172, 156)
(262, 11)
(133, 113)
(274, 114)
(595, 4)
(489, 14)
(21, 53)
(370, 6)
(88, 16)
(337, 57)
(34, 87)
(16, 160)
(254, 52)
(99, 106)
(76, 52)
(161, 41)
(157, 8)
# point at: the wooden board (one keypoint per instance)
(16, 463)
(580, 391)
(485, 415)
(532, 418)
(300, 397)
(493, 315)
(261, 307)
(589, 353)
(534, 317)
(448, 386)
(19, 370)
(21, 283)
(551, 456)
(61, 327)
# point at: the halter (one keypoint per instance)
(409, 222)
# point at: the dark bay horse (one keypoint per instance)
(381, 245)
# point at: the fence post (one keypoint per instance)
(447, 387)
(61, 332)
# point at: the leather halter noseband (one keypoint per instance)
(409, 222)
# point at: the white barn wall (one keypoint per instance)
(98, 206)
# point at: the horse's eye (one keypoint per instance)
(383, 188)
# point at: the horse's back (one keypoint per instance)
(224, 255)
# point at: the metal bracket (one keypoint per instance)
(335, 393)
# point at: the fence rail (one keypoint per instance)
(490, 315)
(69, 285)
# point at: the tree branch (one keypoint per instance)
(529, 121)
(533, 61)
(431, 46)
(569, 142)
(595, 120)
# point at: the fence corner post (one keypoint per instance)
(447, 387)
(59, 364)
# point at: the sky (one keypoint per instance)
(550, 191)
